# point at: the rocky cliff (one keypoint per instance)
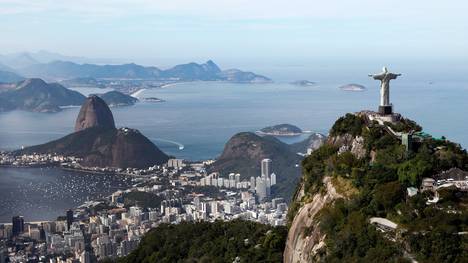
(94, 113)
(313, 142)
(305, 239)
(358, 199)
(100, 144)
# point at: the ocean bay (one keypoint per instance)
(202, 116)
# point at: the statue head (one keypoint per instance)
(385, 70)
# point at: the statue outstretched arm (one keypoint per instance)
(377, 76)
(394, 75)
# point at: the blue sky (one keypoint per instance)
(163, 32)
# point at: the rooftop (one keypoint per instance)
(454, 173)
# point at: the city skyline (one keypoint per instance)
(233, 131)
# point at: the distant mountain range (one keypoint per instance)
(9, 77)
(24, 59)
(38, 96)
(53, 66)
(208, 71)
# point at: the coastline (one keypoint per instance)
(137, 93)
(173, 84)
(75, 170)
(79, 170)
(292, 134)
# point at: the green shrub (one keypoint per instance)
(348, 124)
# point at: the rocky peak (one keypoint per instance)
(94, 112)
(32, 83)
(210, 66)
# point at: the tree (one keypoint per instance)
(388, 195)
(411, 172)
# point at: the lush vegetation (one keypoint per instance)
(378, 183)
(207, 190)
(142, 199)
(405, 125)
(350, 123)
(211, 242)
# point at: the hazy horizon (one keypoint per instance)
(241, 33)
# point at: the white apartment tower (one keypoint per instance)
(273, 178)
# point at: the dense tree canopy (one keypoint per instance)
(430, 232)
(211, 242)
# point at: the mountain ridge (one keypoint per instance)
(244, 151)
(36, 95)
(208, 71)
(99, 143)
(365, 174)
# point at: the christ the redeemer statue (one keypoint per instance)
(385, 107)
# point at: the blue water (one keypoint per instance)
(202, 116)
(45, 193)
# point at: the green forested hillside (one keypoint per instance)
(376, 185)
(234, 241)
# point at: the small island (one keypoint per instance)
(153, 99)
(118, 99)
(281, 130)
(303, 83)
(352, 87)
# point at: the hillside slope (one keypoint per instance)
(362, 174)
(39, 96)
(207, 71)
(244, 152)
(235, 241)
(103, 147)
(97, 141)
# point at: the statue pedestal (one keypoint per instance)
(386, 110)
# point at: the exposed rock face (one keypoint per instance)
(100, 144)
(304, 237)
(314, 141)
(347, 142)
(94, 113)
(122, 148)
(103, 147)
